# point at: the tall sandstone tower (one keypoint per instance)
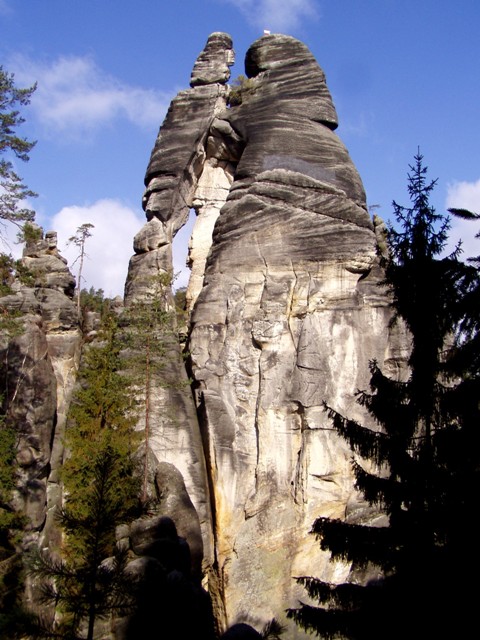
(286, 312)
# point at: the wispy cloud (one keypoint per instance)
(278, 15)
(464, 195)
(357, 125)
(75, 97)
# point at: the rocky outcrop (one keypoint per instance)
(165, 567)
(286, 313)
(171, 180)
(39, 357)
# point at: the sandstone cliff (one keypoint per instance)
(286, 312)
(38, 362)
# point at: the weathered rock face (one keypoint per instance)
(166, 562)
(214, 62)
(172, 176)
(286, 314)
(39, 357)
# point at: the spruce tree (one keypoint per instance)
(425, 453)
(102, 415)
(87, 581)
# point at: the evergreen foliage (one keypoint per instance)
(426, 454)
(13, 192)
(12, 523)
(152, 346)
(465, 359)
(13, 616)
(180, 298)
(94, 309)
(88, 582)
(11, 529)
(11, 270)
(92, 583)
(241, 88)
(94, 300)
(29, 233)
(7, 479)
(102, 418)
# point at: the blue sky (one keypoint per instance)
(403, 74)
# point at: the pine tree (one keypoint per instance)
(79, 239)
(13, 191)
(101, 491)
(423, 453)
(150, 332)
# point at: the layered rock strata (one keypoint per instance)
(286, 313)
(40, 351)
(173, 173)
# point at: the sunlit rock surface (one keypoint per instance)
(39, 362)
(286, 313)
(176, 164)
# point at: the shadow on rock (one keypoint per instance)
(166, 600)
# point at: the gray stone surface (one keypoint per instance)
(171, 180)
(286, 313)
(167, 593)
(39, 364)
(214, 62)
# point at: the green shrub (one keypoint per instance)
(241, 87)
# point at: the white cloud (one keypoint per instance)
(464, 195)
(108, 249)
(110, 246)
(75, 97)
(277, 15)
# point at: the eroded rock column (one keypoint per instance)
(289, 316)
(39, 362)
(177, 161)
(286, 313)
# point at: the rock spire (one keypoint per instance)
(286, 313)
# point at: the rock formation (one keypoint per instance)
(176, 164)
(286, 313)
(39, 360)
(167, 559)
